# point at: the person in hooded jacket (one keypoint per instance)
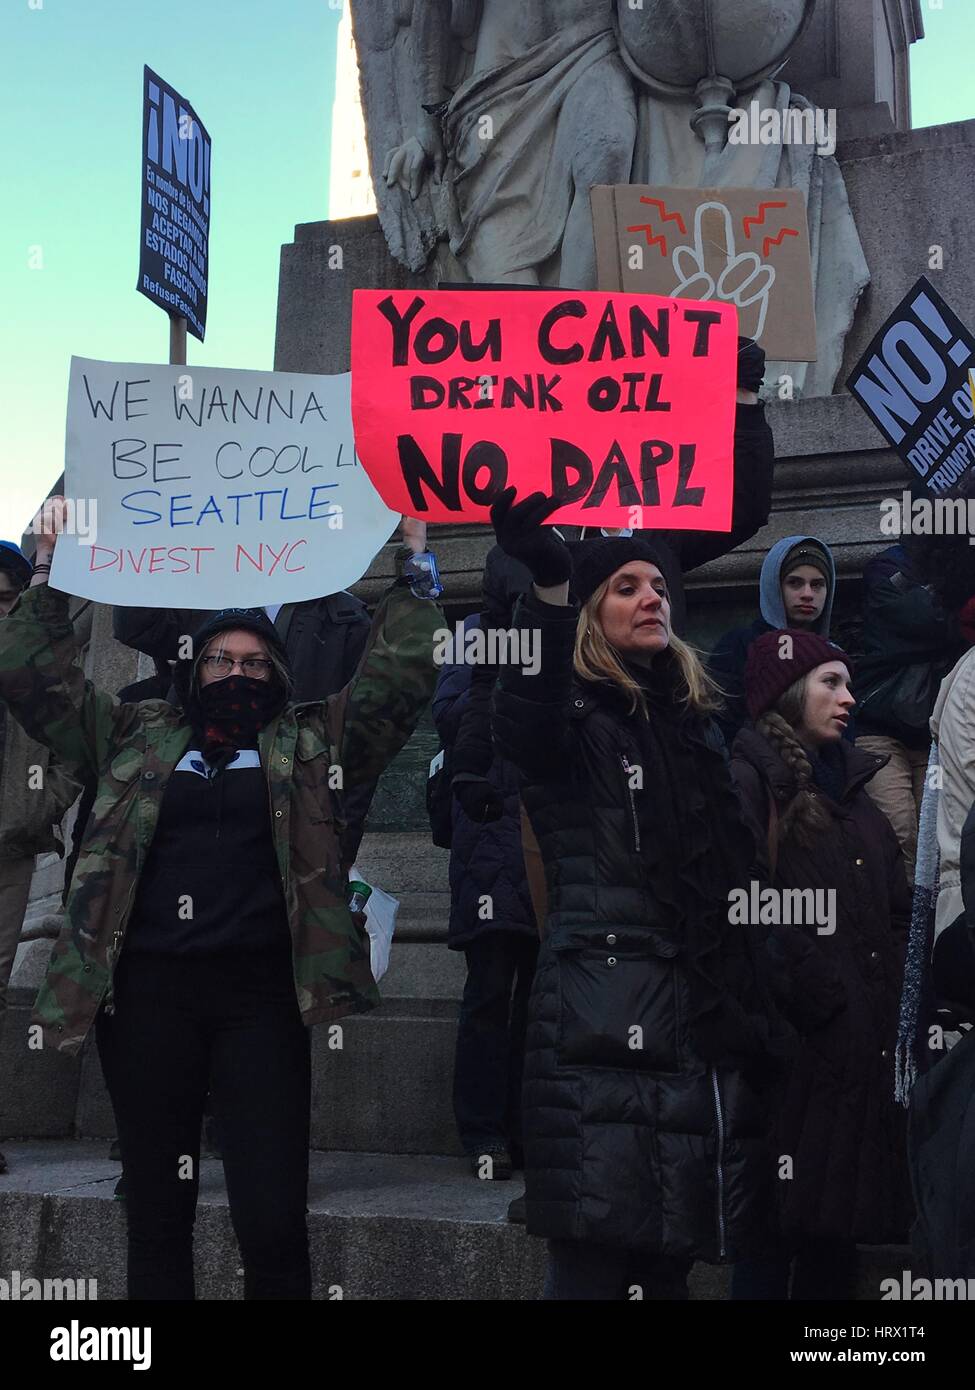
(796, 588)
(648, 1040)
(492, 922)
(832, 860)
(207, 924)
(909, 646)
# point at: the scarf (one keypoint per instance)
(229, 714)
(921, 935)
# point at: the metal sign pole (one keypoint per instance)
(177, 341)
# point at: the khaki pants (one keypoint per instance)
(897, 789)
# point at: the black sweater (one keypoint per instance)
(211, 882)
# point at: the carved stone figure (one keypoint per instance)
(488, 122)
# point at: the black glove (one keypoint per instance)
(751, 365)
(518, 527)
(479, 800)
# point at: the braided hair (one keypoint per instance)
(805, 818)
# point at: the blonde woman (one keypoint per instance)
(647, 1050)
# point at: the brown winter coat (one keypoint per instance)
(837, 1120)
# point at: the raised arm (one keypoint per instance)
(157, 631)
(373, 716)
(753, 462)
(41, 679)
(532, 700)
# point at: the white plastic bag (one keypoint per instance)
(381, 910)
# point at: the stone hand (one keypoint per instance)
(406, 164)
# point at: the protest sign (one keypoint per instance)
(913, 383)
(621, 405)
(747, 246)
(173, 259)
(214, 487)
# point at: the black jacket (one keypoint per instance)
(941, 1132)
(837, 1118)
(909, 646)
(726, 665)
(488, 886)
(647, 1041)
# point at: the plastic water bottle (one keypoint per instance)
(423, 575)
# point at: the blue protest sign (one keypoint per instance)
(173, 260)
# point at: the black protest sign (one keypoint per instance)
(913, 383)
(173, 260)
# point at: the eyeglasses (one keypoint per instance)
(254, 666)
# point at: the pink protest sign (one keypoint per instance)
(622, 405)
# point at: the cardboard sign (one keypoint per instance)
(212, 487)
(744, 246)
(913, 383)
(621, 405)
(173, 259)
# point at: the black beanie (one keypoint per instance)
(250, 619)
(595, 560)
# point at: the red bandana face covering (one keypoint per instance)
(235, 709)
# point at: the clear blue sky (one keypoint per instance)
(261, 74)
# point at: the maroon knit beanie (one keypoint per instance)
(773, 664)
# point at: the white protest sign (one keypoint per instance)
(206, 487)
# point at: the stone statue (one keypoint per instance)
(489, 121)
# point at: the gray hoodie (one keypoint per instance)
(770, 585)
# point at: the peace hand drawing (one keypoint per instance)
(744, 280)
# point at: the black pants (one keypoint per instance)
(822, 1272)
(490, 1056)
(230, 1025)
(596, 1273)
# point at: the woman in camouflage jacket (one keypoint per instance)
(207, 921)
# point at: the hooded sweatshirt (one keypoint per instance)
(727, 662)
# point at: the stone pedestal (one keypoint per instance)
(909, 192)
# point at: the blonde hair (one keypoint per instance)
(595, 659)
(804, 818)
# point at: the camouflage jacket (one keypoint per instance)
(35, 793)
(130, 750)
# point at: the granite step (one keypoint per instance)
(382, 1227)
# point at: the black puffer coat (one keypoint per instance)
(838, 1120)
(644, 1120)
